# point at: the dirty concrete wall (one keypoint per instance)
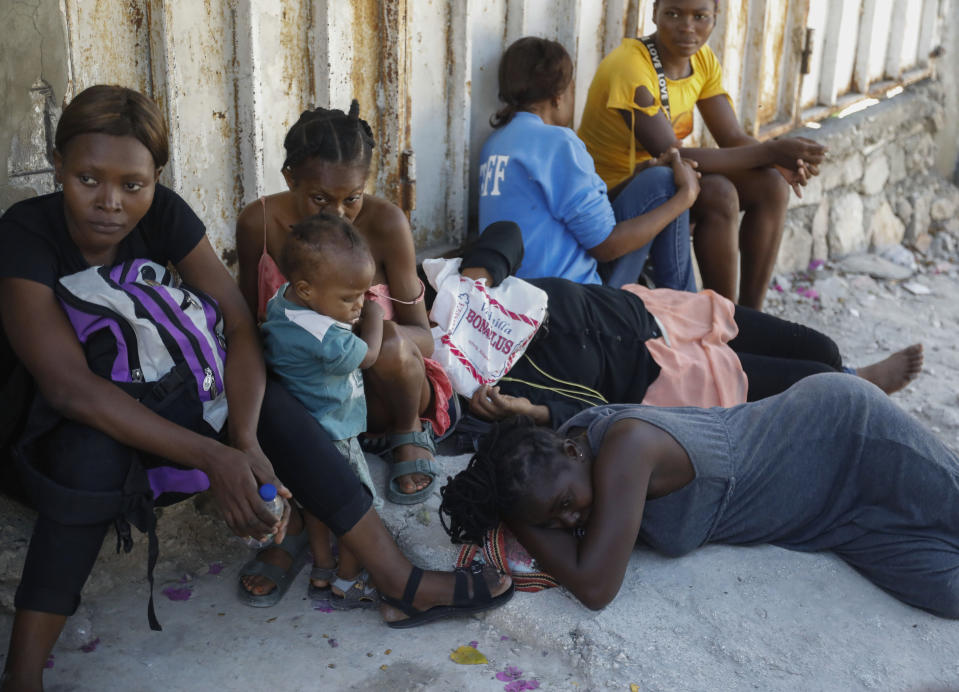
(33, 75)
(947, 142)
(879, 187)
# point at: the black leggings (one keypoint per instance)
(60, 556)
(775, 353)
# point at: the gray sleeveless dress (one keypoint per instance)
(830, 464)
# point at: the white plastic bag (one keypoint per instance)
(480, 331)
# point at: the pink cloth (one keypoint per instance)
(697, 367)
(268, 275)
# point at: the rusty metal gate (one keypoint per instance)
(232, 75)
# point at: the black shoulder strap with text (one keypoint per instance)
(658, 65)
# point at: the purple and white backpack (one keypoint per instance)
(160, 341)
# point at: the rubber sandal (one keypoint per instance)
(463, 603)
(294, 546)
(418, 438)
(404, 468)
(357, 593)
(375, 444)
(319, 593)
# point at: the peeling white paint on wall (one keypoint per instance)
(233, 75)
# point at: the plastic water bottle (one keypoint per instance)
(274, 505)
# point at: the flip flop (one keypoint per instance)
(463, 603)
(319, 593)
(294, 546)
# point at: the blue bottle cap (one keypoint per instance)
(268, 492)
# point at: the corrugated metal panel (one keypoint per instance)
(233, 75)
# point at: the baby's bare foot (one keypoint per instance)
(896, 371)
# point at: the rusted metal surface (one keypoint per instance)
(233, 75)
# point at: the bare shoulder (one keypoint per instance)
(380, 219)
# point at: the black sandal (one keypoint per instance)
(463, 603)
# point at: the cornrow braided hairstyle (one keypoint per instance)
(330, 135)
(315, 238)
(512, 458)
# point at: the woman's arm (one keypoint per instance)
(249, 247)
(632, 234)
(46, 344)
(593, 567)
(738, 151)
(394, 245)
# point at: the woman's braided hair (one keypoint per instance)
(331, 135)
(512, 458)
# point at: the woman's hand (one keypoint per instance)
(797, 179)
(685, 176)
(489, 404)
(793, 153)
(235, 476)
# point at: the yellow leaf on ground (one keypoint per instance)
(468, 656)
(634, 688)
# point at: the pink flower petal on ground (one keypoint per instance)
(215, 568)
(333, 643)
(323, 606)
(474, 644)
(49, 663)
(778, 287)
(90, 646)
(816, 264)
(503, 638)
(511, 673)
(177, 594)
(515, 686)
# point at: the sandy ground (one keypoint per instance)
(723, 618)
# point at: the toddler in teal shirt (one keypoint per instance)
(318, 335)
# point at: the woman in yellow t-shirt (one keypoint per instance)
(743, 174)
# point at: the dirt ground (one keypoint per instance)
(723, 618)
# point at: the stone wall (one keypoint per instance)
(879, 186)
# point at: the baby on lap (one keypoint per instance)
(319, 333)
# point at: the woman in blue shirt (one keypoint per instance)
(537, 173)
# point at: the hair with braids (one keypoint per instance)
(515, 456)
(532, 69)
(330, 135)
(315, 238)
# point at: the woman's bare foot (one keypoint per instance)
(896, 371)
(436, 589)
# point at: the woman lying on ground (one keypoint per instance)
(328, 155)
(830, 464)
(601, 345)
(626, 120)
(88, 436)
(536, 172)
